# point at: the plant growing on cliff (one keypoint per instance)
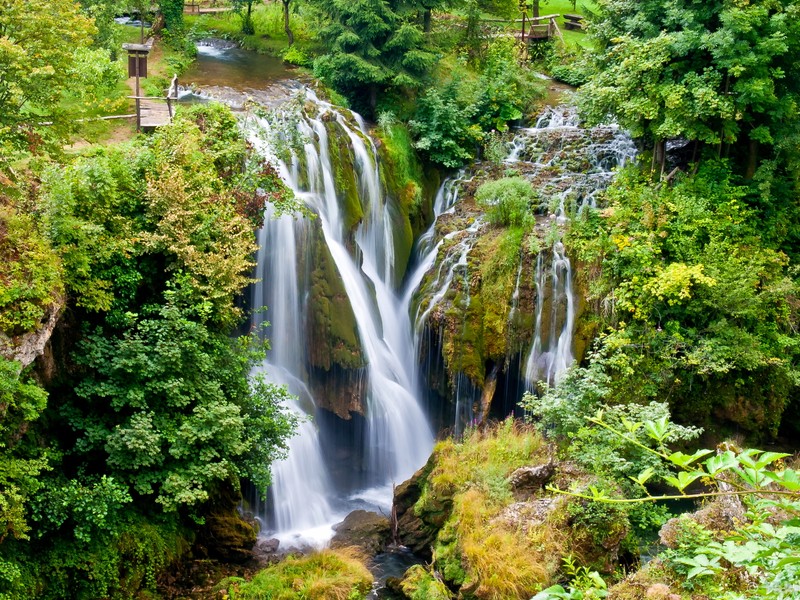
(765, 542)
(509, 202)
(699, 298)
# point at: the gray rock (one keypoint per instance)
(528, 480)
(368, 531)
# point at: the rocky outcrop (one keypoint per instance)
(367, 531)
(225, 535)
(27, 347)
(528, 480)
(418, 531)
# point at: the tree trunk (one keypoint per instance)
(286, 27)
(426, 20)
(752, 159)
(535, 9)
(373, 96)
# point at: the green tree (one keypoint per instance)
(39, 42)
(183, 415)
(370, 48)
(244, 8)
(720, 73)
(172, 15)
(698, 297)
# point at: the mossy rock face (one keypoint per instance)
(333, 346)
(367, 531)
(420, 584)
(225, 535)
(344, 176)
(416, 530)
(409, 190)
(332, 331)
(495, 531)
(475, 314)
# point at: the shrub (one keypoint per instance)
(32, 273)
(507, 201)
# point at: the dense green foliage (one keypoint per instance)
(152, 413)
(697, 299)
(454, 117)
(49, 74)
(507, 201)
(720, 73)
(370, 47)
(32, 277)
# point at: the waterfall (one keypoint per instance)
(300, 485)
(546, 362)
(568, 165)
(574, 180)
(398, 438)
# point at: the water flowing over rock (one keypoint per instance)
(337, 275)
(487, 297)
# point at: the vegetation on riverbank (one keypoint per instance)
(138, 420)
(324, 575)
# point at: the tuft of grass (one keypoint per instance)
(325, 575)
(502, 562)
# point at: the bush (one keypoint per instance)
(507, 201)
(32, 273)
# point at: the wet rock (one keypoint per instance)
(418, 532)
(266, 546)
(228, 537)
(365, 530)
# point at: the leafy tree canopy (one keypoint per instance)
(44, 61)
(717, 72)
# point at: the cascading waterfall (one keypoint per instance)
(398, 439)
(547, 364)
(300, 485)
(569, 166)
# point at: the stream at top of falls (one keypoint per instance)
(334, 466)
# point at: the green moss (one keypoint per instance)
(420, 584)
(480, 334)
(332, 330)
(407, 188)
(344, 175)
(325, 575)
(484, 556)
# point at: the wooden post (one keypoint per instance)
(138, 102)
(137, 67)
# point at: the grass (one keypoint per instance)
(484, 461)
(269, 37)
(324, 575)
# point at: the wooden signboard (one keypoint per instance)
(132, 66)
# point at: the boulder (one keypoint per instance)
(418, 531)
(525, 481)
(368, 531)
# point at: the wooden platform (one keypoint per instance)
(155, 113)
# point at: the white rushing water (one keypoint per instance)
(398, 437)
